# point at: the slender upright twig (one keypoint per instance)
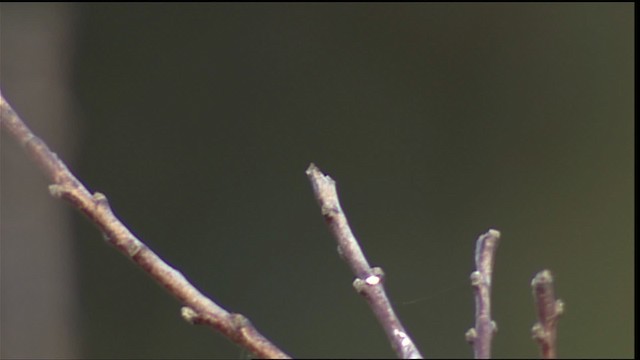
(369, 281)
(549, 310)
(482, 334)
(198, 308)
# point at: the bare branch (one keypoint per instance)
(66, 186)
(369, 281)
(482, 334)
(549, 310)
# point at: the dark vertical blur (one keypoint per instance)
(438, 121)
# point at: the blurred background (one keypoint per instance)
(438, 122)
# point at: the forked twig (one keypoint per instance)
(482, 334)
(198, 308)
(369, 281)
(549, 310)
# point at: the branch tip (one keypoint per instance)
(544, 277)
(312, 168)
(549, 309)
(485, 327)
(368, 281)
(318, 178)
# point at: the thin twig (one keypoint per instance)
(369, 281)
(482, 334)
(198, 308)
(549, 310)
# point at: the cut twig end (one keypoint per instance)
(543, 278)
(493, 232)
(316, 175)
(312, 167)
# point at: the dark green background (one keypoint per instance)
(438, 121)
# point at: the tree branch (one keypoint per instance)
(482, 334)
(549, 310)
(369, 281)
(199, 309)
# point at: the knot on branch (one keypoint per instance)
(239, 322)
(476, 279)
(375, 278)
(191, 316)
